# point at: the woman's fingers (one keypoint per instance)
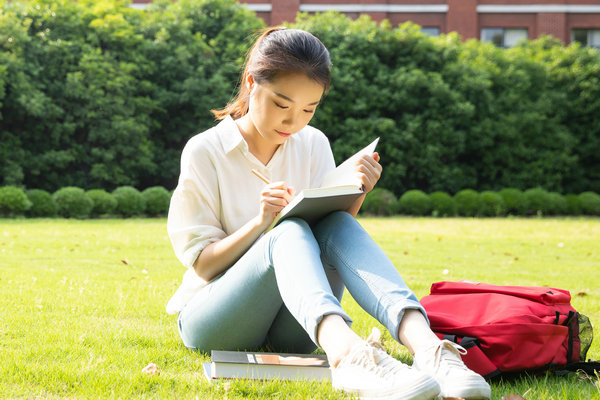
(369, 170)
(276, 196)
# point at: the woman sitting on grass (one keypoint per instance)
(281, 289)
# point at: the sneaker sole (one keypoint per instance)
(428, 389)
(470, 394)
(465, 398)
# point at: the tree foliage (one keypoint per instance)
(455, 115)
(96, 94)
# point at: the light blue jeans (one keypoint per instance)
(276, 295)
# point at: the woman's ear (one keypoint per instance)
(249, 81)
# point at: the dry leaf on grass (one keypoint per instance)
(151, 369)
(513, 397)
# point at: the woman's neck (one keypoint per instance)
(257, 145)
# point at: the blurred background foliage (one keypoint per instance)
(96, 94)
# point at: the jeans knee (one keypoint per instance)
(334, 224)
(293, 226)
(339, 217)
(297, 222)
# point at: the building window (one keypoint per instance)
(587, 37)
(503, 37)
(431, 30)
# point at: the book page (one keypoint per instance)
(344, 173)
(330, 191)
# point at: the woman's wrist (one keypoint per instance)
(261, 223)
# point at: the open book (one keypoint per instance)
(339, 190)
(266, 366)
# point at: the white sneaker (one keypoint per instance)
(444, 363)
(371, 373)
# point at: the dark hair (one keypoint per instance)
(276, 51)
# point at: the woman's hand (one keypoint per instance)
(273, 198)
(369, 170)
(220, 255)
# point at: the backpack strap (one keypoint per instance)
(475, 358)
(589, 367)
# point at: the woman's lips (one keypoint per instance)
(283, 134)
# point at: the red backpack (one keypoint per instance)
(510, 329)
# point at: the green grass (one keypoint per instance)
(82, 302)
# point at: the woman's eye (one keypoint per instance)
(309, 111)
(279, 105)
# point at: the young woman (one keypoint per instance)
(246, 288)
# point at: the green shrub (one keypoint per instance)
(415, 202)
(157, 200)
(443, 204)
(379, 202)
(447, 137)
(573, 204)
(13, 201)
(468, 203)
(72, 202)
(590, 203)
(492, 204)
(42, 203)
(129, 201)
(557, 204)
(537, 201)
(515, 202)
(104, 202)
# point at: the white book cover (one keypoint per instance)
(339, 190)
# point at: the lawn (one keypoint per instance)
(83, 301)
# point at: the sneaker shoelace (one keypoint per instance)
(450, 358)
(376, 360)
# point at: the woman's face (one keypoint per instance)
(283, 107)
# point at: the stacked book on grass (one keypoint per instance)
(266, 366)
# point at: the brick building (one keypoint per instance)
(503, 22)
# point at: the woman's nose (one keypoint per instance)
(289, 119)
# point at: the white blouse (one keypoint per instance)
(217, 193)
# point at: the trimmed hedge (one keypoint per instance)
(468, 203)
(514, 200)
(72, 202)
(42, 204)
(590, 203)
(157, 200)
(537, 201)
(492, 204)
(127, 201)
(573, 204)
(13, 201)
(415, 202)
(379, 201)
(104, 202)
(443, 204)
(557, 204)
(130, 201)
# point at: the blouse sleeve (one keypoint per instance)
(193, 221)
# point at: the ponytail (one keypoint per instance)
(238, 107)
(279, 50)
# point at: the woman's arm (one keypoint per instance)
(219, 256)
(368, 170)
